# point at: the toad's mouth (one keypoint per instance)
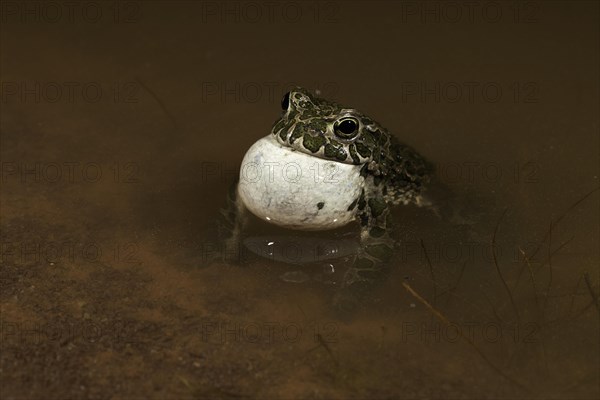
(316, 143)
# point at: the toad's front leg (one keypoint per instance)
(371, 264)
(231, 226)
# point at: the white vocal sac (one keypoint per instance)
(295, 190)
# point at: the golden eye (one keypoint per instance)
(346, 128)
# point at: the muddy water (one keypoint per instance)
(122, 131)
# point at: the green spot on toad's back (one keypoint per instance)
(332, 151)
(283, 134)
(278, 125)
(313, 143)
(363, 150)
(320, 205)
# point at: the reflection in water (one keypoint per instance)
(300, 249)
(319, 257)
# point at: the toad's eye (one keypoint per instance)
(285, 102)
(346, 128)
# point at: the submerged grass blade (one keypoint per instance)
(481, 354)
(494, 254)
